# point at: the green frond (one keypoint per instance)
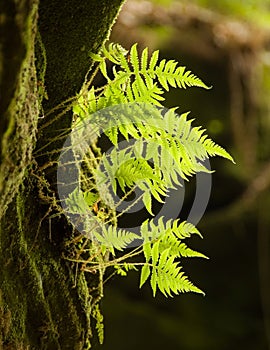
(96, 57)
(188, 79)
(169, 74)
(103, 69)
(153, 61)
(91, 101)
(144, 60)
(77, 203)
(184, 230)
(185, 251)
(163, 150)
(184, 285)
(132, 171)
(213, 149)
(167, 277)
(134, 59)
(162, 246)
(145, 273)
(114, 53)
(147, 201)
(114, 238)
(136, 80)
(90, 198)
(122, 269)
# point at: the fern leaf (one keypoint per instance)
(184, 285)
(187, 252)
(168, 141)
(184, 230)
(147, 250)
(187, 79)
(169, 74)
(114, 53)
(144, 60)
(96, 57)
(90, 198)
(153, 281)
(76, 203)
(213, 149)
(147, 201)
(134, 59)
(103, 69)
(123, 269)
(153, 61)
(164, 256)
(112, 237)
(91, 101)
(155, 252)
(145, 273)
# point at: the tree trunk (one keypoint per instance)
(44, 57)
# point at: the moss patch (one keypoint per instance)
(40, 308)
(22, 113)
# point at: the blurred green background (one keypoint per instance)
(227, 44)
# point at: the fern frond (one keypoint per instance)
(162, 246)
(176, 248)
(215, 150)
(122, 269)
(114, 53)
(134, 59)
(144, 59)
(137, 78)
(151, 231)
(167, 277)
(165, 150)
(114, 238)
(153, 61)
(77, 203)
(134, 170)
(169, 74)
(185, 251)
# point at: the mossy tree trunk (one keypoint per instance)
(44, 303)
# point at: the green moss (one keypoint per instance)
(19, 137)
(68, 40)
(45, 310)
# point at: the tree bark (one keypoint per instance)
(44, 57)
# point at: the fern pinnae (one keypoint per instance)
(134, 59)
(185, 251)
(147, 201)
(153, 61)
(153, 280)
(113, 238)
(213, 149)
(184, 285)
(145, 273)
(144, 60)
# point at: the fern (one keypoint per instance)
(163, 245)
(175, 148)
(140, 79)
(123, 269)
(113, 238)
(163, 148)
